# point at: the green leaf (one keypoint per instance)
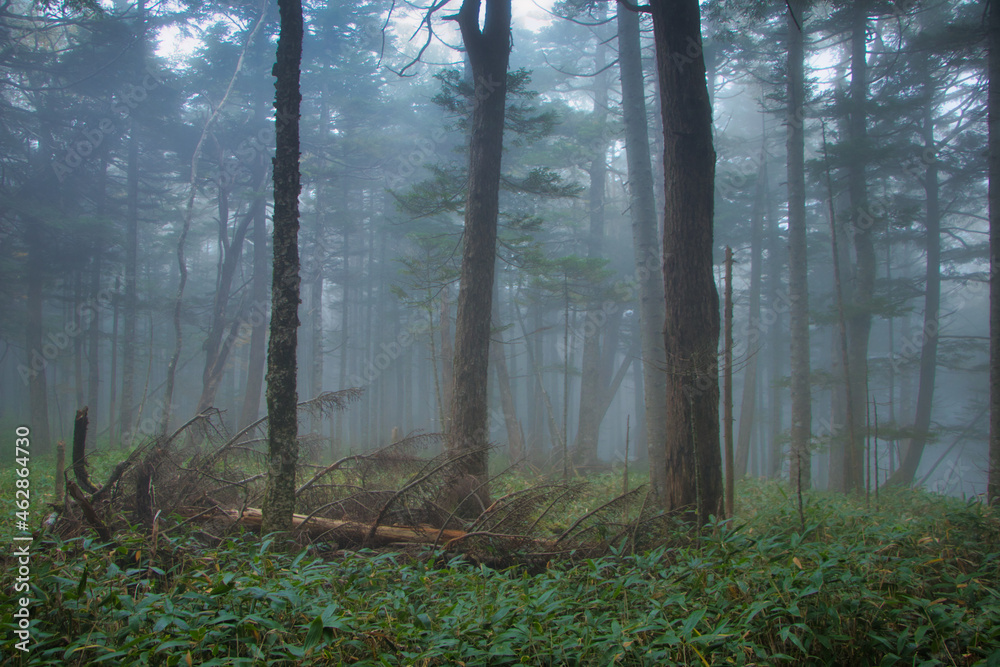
(691, 621)
(315, 633)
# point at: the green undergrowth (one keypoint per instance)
(912, 581)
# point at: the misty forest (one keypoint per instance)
(551, 332)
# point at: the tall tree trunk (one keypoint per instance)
(488, 49)
(860, 322)
(649, 272)
(535, 363)
(748, 401)
(129, 307)
(851, 443)
(282, 425)
(447, 359)
(316, 319)
(993, 490)
(904, 475)
(691, 330)
(340, 432)
(218, 343)
(727, 384)
(37, 358)
(113, 379)
(779, 351)
(800, 468)
(93, 347)
(224, 328)
(74, 316)
(515, 436)
(258, 306)
(592, 383)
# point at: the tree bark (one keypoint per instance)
(79, 462)
(691, 330)
(993, 489)
(282, 425)
(800, 468)
(488, 49)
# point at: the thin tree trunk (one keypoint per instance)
(345, 317)
(691, 331)
(779, 351)
(993, 489)
(112, 390)
(79, 393)
(860, 323)
(592, 382)
(727, 375)
(488, 49)
(216, 351)
(447, 359)
(316, 320)
(94, 346)
(748, 401)
(515, 437)
(555, 436)
(37, 359)
(838, 285)
(904, 475)
(282, 424)
(258, 306)
(800, 467)
(129, 314)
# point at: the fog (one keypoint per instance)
(136, 192)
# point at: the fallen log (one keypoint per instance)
(361, 533)
(316, 527)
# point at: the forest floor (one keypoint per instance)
(913, 579)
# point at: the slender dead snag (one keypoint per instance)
(144, 493)
(80, 451)
(727, 391)
(60, 491)
(186, 226)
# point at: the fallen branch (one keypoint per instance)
(88, 511)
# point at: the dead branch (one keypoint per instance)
(330, 468)
(88, 511)
(451, 460)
